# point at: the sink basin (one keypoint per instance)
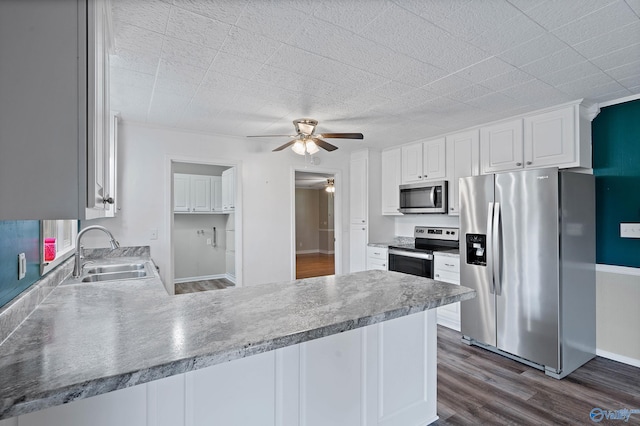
(115, 268)
(113, 276)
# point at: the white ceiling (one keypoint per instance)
(396, 71)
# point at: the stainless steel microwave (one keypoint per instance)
(423, 197)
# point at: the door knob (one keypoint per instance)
(108, 200)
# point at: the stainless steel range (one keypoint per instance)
(417, 258)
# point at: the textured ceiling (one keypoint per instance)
(396, 71)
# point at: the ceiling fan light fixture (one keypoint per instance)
(298, 147)
(312, 148)
(302, 147)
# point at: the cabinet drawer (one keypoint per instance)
(447, 277)
(377, 253)
(376, 264)
(446, 263)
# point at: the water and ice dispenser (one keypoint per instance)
(477, 249)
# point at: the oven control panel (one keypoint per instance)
(436, 233)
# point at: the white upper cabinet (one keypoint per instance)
(358, 190)
(391, 180)
(181, 193)
(501, 146)
(201, 193)
(54, 109)
(550, 139)
(216, 193)
(463, 155)
(424, 161)
(560, 137)
(229, 189)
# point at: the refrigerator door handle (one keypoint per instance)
(490, 256)
(497, 284)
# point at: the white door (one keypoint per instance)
(412, 163)
(181, 193)
(433, 159)
(501, 147)
(463, 154)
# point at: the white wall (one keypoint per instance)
(193, 257)
(406, 223)
(307, 219)
(266, 179)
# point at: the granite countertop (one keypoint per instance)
(86, 339)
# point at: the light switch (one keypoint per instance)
(630, 230)
(153, 234)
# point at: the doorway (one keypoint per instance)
(314, 224)
(202, 222)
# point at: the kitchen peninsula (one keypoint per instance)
(350, 349)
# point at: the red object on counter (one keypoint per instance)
(49, 249)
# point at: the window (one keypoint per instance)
(57, 242)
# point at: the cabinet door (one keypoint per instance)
(358, 188)
(200, 193)
(358, 248)
(549, 139)
(463, 158)
(216, 193)
(391, 180)
(434, 159)
(228, 189)
(99, 114)
(181, 193)
(447, 269)
(412, 163)
(501, 147)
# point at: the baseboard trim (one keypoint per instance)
(230, 278)
(201, 278)
(326, 252)
(614, 269)
(620, 358)
(307, 251)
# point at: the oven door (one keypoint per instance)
(410, 262)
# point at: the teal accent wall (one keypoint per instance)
(22, 236)
(616, 165)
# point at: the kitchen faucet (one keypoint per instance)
(78, 256)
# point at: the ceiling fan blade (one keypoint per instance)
(271, 136)
(343, 135)
(281, 147)
(324, 144)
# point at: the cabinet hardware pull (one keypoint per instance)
(419, 177)
(108, 200)
(363, 220)
(529, 163)
(518, 164)
(364, 229)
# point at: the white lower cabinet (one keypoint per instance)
(383, 374)
(358, 237)
(377, 258)
(447, 269)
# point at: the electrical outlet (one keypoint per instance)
(209, 241)
(153, 234)
(630, 230)
(22, 266)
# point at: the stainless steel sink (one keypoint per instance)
(115, 268)
(110, 270)
(113, 276)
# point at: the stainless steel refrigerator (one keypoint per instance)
(527, 246)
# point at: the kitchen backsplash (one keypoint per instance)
(18, 236)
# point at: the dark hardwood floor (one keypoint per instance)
(314, 265)
(476, 386)
(205, 285)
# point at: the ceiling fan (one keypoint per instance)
(306, 142)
